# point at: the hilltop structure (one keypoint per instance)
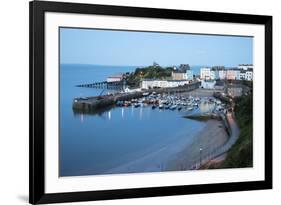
(179, 76)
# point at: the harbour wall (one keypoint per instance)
(89, 104)
(208, 116)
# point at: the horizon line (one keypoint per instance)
(151, 65)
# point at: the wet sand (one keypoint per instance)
(179, 155)
(156, 159)
(211, 137)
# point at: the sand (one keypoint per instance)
(183, 154)
(156, 159)
(178, 155)
(210, 138)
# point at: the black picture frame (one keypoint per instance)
(37, 10)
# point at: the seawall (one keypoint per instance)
(89, 104)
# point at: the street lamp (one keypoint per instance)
(200, 156)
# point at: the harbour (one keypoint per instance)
(190, 112)
(122, 112)
(132, 129)
(201, 112)
(96, 102)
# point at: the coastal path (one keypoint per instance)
(234, 134)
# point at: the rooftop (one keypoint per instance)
(178, 71)
(163, 80)
(120, 75)
(245, 65)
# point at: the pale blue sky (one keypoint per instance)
(107, 47)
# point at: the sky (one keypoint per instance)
(130, 48)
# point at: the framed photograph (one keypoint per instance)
(140, 102)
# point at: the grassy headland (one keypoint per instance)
(151, 72)
(241, 153)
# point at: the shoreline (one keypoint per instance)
(157, 158)
(179, 157)
(210, 138)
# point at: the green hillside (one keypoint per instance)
(241, 153)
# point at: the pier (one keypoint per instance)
(92, 104)
(103, 85)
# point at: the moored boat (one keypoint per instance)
(119, 103)
(173, 107)
(145, 94)
(167, 107)
(137, 105)
(189, 108)
(127, 103)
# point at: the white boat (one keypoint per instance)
(190, 108)
(136, 104)
(173, 107)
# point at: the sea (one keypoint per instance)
(96, 144)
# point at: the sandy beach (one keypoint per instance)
(178, 155)
(156, 159)
(180, 152)
(211, 137)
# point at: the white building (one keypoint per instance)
(149, 83)
(189, 74)
(242, 75)
(128, 90)
(249, 75)
(207, 74)
(115, 78)
(243, 72)
(246, 72)
(216, 70)
(208, 84)
(246, 75)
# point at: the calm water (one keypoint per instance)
(95, 144)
